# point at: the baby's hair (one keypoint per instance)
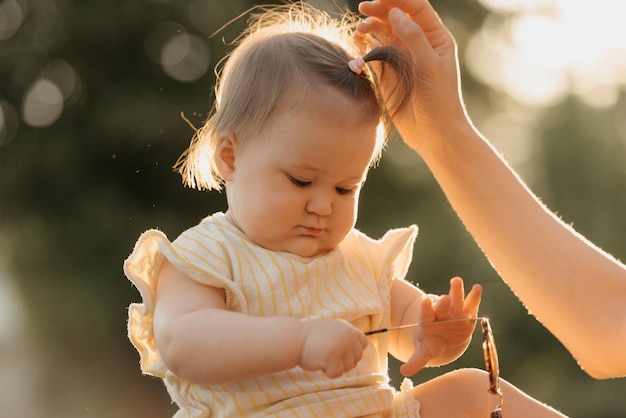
(283, 57)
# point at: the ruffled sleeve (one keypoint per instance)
(142, 269)
(398, 253)
(390, 256)
(203, 263)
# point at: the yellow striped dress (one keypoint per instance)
(351, 282)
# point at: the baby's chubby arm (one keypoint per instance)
(202, 342)
(431, 345)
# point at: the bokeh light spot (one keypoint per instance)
(43, 104)
(540, 51)
(11, 18)
(9, 122)
(185, 57)
(63, 76)
(158, 37)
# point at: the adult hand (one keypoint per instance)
(415, 26)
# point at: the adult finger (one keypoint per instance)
(375, 9)
(420, 11)
(413, 36)
(378, 30)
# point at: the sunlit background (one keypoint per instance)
(91, 96)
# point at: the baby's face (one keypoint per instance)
(296, 184)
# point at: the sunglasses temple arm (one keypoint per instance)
(376, 331)
(381, 330)
(419, 324)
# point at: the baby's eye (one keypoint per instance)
(298, 182)
(344, 190)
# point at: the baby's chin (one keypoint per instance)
(297, 244)
(306, 248)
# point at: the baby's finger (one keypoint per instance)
(442, 308)
(457, 291)
(472, 301)
(350, 360)
(423, 353)
(416, 363)
(457, 295)
(363, 340)
(427, 311)
(334, 370)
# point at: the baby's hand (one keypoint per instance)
(439, 344)
(334, 346)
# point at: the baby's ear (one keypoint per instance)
(225, 157)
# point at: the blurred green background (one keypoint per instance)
(91, 95)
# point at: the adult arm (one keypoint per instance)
(571, 286)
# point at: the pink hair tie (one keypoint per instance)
(356, 65)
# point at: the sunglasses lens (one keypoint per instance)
(491, 358)
(491, 363)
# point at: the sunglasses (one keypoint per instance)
(489, 352)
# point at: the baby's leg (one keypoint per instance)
(463, 393)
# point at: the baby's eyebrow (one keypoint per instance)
(306, 166)
(356, 179)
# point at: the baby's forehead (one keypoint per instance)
(309, 95)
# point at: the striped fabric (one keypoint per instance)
(351, 282)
